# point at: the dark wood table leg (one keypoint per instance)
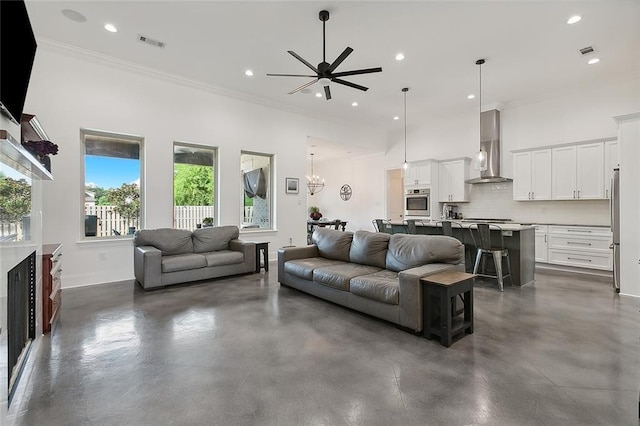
(427, 312)
(445, 317)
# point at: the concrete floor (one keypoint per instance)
(243, 351)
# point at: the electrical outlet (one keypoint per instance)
(102, 256)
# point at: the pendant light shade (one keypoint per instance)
(314, 184)
(481, 157)
(405, 165)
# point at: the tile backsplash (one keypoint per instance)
(495, 200)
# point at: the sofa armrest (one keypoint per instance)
(289, 253)
(147, 266)
(248, 248)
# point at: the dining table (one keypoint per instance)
(313, 224)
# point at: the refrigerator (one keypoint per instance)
(615, 227)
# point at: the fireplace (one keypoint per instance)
(21, 317)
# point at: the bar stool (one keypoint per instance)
(447, 230)
(411, 226)
(383, 225)
(481, 236)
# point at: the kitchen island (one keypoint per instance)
(519, 239)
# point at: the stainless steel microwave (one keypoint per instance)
(417, 201)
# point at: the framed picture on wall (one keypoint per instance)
(291, 185)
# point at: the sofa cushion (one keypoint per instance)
(408, 251)
(223, 257)
(333, 244)
(369, 248)
(182, 262)
(381, 286)
(168, 240)
(214, 238)
(338, 276)
(303, 268)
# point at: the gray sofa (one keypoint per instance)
(375, 273)
(170, 256)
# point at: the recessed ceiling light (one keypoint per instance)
(574, 19)
(472, 96)
(396, 118)
(318, 95)
(593, 61)
(399, 57)
(354, 104)
(111, 28)
(74, 15)
(248, 73)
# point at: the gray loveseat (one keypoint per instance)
(375, 273)
(170, 256)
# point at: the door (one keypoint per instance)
(590, 171)
(444, 177)
(522, 176)
(541, 244)
(541, 174)
(423, 173)
(457, 176)
(395, 195)
(563, 173)
(410, 175)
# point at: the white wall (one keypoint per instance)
(69, 91)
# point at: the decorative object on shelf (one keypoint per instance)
(291, 186)
(313, 182)
(345, 192)
(41, 150)
(314, 213)
(207, 221)
(405, 165)
(481, 157)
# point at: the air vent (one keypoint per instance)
(586, 50)
(150, 41)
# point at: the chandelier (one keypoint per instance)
(314, 184)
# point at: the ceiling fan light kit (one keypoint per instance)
(324, 72)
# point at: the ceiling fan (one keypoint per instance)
(325, 71)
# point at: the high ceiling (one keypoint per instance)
(531, 51)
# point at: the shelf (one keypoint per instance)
(14, 155)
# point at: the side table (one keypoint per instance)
(447, 286)
(264, 249)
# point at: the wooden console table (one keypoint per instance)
(51, 285)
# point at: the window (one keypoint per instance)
(112, 183)
(194, 196)
(257, 178)
(15, 205)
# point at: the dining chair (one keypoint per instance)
(336, 224)
(481, 236)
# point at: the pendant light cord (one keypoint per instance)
(405, 125)
(480, 102)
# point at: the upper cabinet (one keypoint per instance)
(451, 181)
(611, 161)
(578, 172)
(417, 174)
(532, 175)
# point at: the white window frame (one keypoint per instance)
(84, 132)
(270, 193)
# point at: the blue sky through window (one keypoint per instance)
(110, 172)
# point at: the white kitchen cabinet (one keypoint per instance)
(578, 172)
(580, 246)
(418, 174)
(541, 232)
(532, 175)
(451, 181)
(611, 161)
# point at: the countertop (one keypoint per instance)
(503, 226)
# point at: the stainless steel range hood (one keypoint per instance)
(490, 144)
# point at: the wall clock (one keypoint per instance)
(345, 192)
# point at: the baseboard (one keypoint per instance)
(574, 270)
(103, 277)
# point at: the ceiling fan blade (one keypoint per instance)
(340, 58)
(327, 92)
(350, 84)
(291, 75)
(301, 59)
(302, 87)
(356, 72)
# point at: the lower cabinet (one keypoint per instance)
(541, 243)
(51, 285)
(578, 246)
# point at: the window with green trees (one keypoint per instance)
(194, 196)
(257, 189)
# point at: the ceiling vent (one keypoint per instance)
(150, 41)
(586, 50)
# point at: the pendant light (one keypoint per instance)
(405, 165)
(481, 158)
(314, 184)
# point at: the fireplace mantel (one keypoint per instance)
(14, 155)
